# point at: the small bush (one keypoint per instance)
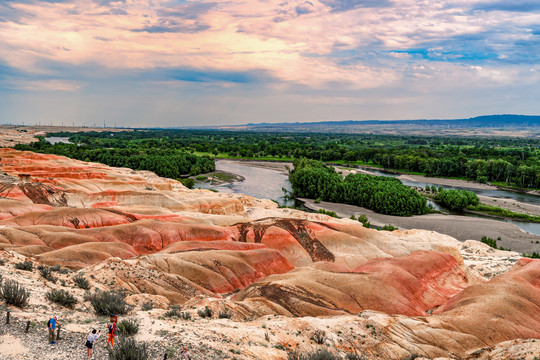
(318, 355)
(59, 269)
(206, 312)
(185, 315)
(3, 262)
(364, 220)
(224, 314)
(14, 294)
(319, 337)
(81, 281)
(353, 356)
(389, 228)
(327, 212)
(25, 265)
(128, 349)
(147, 306)
(174, 311)
(127, 327)
(109, 302)
(61, 297)
(46, 272)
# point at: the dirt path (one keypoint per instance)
(460, 227)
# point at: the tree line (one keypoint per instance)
(506, 161)
(170, 163)
(315, 180)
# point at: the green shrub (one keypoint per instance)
(81, 281)
(189, 183)
(319, 337)
(206, 312)
(128, 349)
(174, 311)
(127, 327)
(364, 220)
(185, 315)
(46, 272)
(14, 294)
(317, 355)
(389, 228)
(353, 356)
(147, 306)
(25, 265)
(59, 269)
(327, 212)
(224, 314)
(534, 255)
(109, 302)
(61, 297)
(458, 199)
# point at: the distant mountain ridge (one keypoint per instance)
(485, 121)
(478, 121)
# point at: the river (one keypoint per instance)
(259, 182)
(267, 184)
(56, 139)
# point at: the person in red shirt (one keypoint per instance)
(112, 330)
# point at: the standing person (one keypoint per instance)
(112, 330)
(51, 325)
(185, 355)
(92, 337)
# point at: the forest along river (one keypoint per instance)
(267, 184)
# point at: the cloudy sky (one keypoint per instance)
(190, 62)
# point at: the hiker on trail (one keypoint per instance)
(112, 330)
(92, 337)
(51, 325)
(185, 355)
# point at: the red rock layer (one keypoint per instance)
(408, 286)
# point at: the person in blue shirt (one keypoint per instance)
(52, 326)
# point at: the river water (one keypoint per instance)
(259, 182)
(55, 139)
(267, 184)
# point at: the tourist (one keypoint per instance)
(185, 355)
(112, 330)
(52, 326)
(92, 337)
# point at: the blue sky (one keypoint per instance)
(180, 62)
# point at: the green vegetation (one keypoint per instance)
(327, 212)
(386, 195)
(512, 162)
(127, 327)
(364, 220)
(205, 313)
(534, 255)
(61, 297)
(497, 211)
(389, 228)
(128, 349)
(458, 199)
(81, 281)
(109, 302)
(156, 156)
(46, 272)
(14, 294)
(25, 265)
(492, 243)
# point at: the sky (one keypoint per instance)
(169, 63)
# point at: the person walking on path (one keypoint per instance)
(112, 330)
(92, 337)
(52, 326)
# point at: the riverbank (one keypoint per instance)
(460, 227)
(281, 167)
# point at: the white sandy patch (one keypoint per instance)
(10, 346)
